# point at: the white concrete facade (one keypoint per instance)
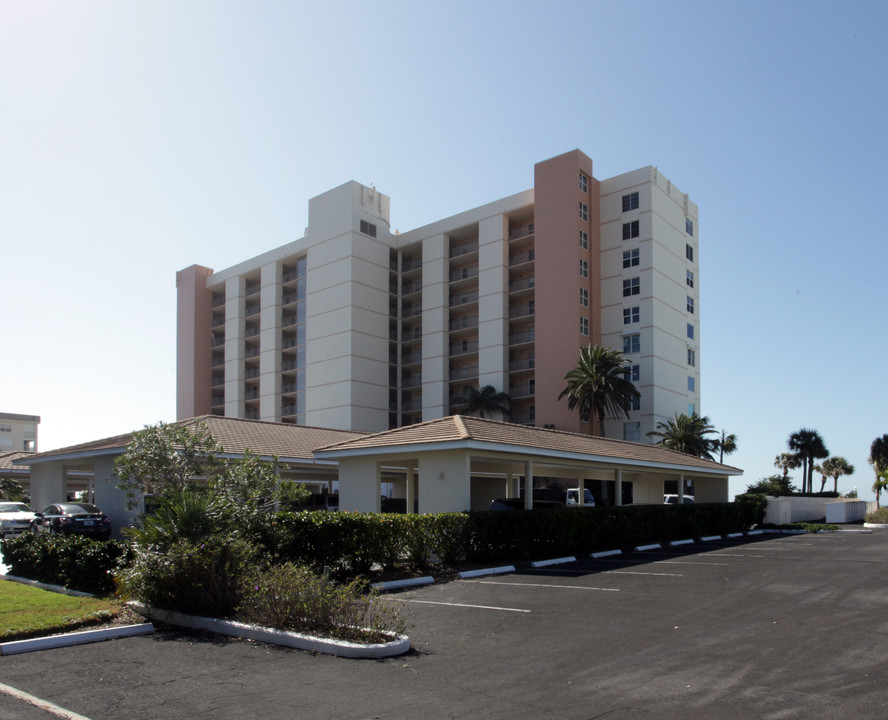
(354, 327)
(18, 433)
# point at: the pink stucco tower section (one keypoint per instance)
(193, 353)
(564, 192)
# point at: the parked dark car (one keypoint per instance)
(72, 519)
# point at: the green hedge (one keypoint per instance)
(352, 543)
(72, 561)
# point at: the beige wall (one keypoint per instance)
(193, 337)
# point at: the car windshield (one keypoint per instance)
(79, 509)
(11, 507)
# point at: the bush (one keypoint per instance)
(879, 517)
(72, 561)
(292, 597)
(198, 578)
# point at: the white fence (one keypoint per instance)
(787, 510)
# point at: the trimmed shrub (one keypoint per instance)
(72, 561)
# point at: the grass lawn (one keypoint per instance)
(31, 612)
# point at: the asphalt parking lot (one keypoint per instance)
(764, 627)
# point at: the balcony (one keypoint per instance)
(293, 297)
(522, 284)
(251, 373)
(523, 364)
(465, 273)
(464, 323)
(527, 418)
(290, 276)
(251, 288)
(411, 405)
(218, 301)
(516, 392)
(218, 342)
(409, 264)
(460, 250)
(411, 358)
(463, 299)
(463, 348)
(521, 258)
(289, 365)
(217, 400)
(412, 382)
(251, 394)
(463, 373)
(520, 312)
(411, 311)
(521, 232)
(410, 288)
(251, 352)
(251, 332)
(251, 310)
(521, 337)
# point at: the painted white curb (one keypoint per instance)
(875, 525)
(734, 535)
(409, 582)
(15, 647)
(486, 571)
(710, 538)
(397, 646)
(756, 532)
(46, 586)
(851, 532)
(554, 561)
(681, 542)
(771, 531)
(793, 532)
(606, 553)
(642, 548)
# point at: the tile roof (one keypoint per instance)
(8, 460)
(467, 428)
(236, 436)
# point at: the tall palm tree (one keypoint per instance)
(809, 446)
(725, 445)
(878, 458)
(600, 384)
(836, 466)
(687, 434)
(824, 474)
(787, 461)
(486, 401)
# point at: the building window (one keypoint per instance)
(692, 409)
(635, 403)
(632, 431)
(690, 384)
(584, 240)
(584, 297)
(690, 331)
(690, 304)
(689, 279)
(584, 269)
(632, 286)
(689, 226)
(689, 252)
(368, 228)
(630, 202)
(635, 373)
(631, 343)
(630, 258)
(630, 230)
(630, 315)
(584, 183)
(584, 326)
(584, 211)
(692, 358)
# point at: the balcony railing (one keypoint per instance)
(251, 310)
(410, 288)
(251, 352)
(464, 273)
(520, 258)
(411, 382)
(411, 358)
(460, 250)
(524, 418)
(294, 296)
(464, 348)
(522, 311)
(251, 373)
(251, 332)
(521, 391)
(464, 299)
(523, 364)
(520, 232)
(217, 400)
(251, 394)
(218, 341)
(251, 288)
(411, 264)
(464, 323)
(522, 337)
(463, 373)
(411, 405)
(522, 284)
(218, 302)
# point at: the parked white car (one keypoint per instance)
(15, 518)
(673, 500)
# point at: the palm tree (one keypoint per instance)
(725, 445)
(878, 458)
(819, 469)
(687, 434)
(486, 401)
(836, 466)
(809, 446)
(787, 461)
(600, 384)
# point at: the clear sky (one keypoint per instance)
(138, 138)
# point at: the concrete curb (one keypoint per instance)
(642, 548)
(408, 582)
(756, 532)
(606, 553)
(675, 543)
(874, 525)
(486, 571)
(341, 648)
(554, 561)
(710, 538)
(15, 647)
(47, 586)
(734, 535)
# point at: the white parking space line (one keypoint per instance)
(744, 555)
(42, 704)
(465, 605)
(633, 572)
(545, 585)
(691, 562)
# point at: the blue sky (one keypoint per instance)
(139, 138)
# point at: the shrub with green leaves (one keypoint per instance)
(292, 597)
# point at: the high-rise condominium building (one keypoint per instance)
(354, 327)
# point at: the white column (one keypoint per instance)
(234, 347)
(509, 484)
(581, 495)
(269, 343)
(681, 489)
(411, 488)
(528, 485)
(618, 486)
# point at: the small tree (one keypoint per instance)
(878, 458)
(164, 457)
(486, 401)
(836, 466)
(725, 445)
(10, 489)
(775, 485)
(687, 434)
(787, 461)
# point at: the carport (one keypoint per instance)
(459, 463)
